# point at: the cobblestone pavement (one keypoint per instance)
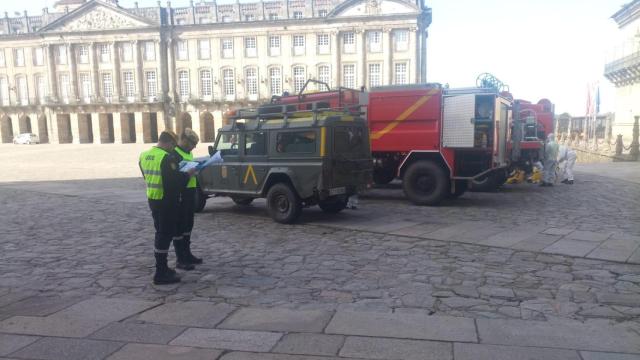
(413, 283)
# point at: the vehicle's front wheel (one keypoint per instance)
(200, 200)
(283, 204)
(243, 201)
(334, 204)
(425, 183)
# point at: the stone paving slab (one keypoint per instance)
(499, 352)
(257, 356)
(571, 247)
(609, 254)
(536, 242)
(106, 309)
(68, 349)
(586, 355)
(619, 299)
(277, 320)
(396, 349)
(51, 326)
(141, 333)
(228, 339)
(588, 236)
(40, 305)
(566, 335)
(310, 344)
(403, 325)
(12, 343)
(189, 313)
(163, 352)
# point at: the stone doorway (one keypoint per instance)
(105, 122)
(128, 127)
(64, 129)
(85, 129)
(150, 127)
(6, 129)
(207, 127)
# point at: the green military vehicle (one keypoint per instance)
(293, 158)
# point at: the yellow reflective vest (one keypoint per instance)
(187, 156)
(150, 163)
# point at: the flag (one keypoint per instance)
(598, 100)
(589, 102)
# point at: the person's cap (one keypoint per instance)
(171, 134)
(191, 136)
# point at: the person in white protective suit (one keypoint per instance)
(550, 156)
(567, 159)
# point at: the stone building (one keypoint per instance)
(95, 72)
(623, 70)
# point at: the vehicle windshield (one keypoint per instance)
(228, 144)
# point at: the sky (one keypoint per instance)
(540, 48)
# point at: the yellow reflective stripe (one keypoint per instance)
(154, 186)
(405, 114)
(152, 172)
(323, 139)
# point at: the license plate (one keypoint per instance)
(337, 191)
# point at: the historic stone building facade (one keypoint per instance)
(95, 72)
(623, 70)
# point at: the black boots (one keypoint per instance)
(190, 257)
(164, 275)
(182, 260)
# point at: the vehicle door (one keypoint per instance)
(351, 156)
(223, 176)
(502, 118)
(254, 168)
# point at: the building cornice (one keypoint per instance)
(627, 14)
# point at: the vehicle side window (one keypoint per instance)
(255, 144)
(296, 142)
(228, 144)
(348, 139)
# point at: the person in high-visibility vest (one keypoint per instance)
(159, 167)
(182, 240)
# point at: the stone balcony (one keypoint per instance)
(625, 70)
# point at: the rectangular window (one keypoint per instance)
(401, 40)
(3, 62)
(83, 54)
(323, 13)
(4, 91)
(249, 17)
(251, 79)
(226, 19)
(297, 15)
(275, 81)
(229, 84)
(205, 84)
(85, 87)
(255, 144)
(182, 49)
(64, 87)
(227, 48)
(149, 51)
(400, 73)
(127, 52)
(183, 84)
(105, 53)
(204, 49)
(107, 86)
(274, 45)
(375, 76)
(299, 78)
(41, 88)
(349, 76)
(273, 16)
(19, 57)
(375, 41)
(23, 91)
(250, 47)
(129, 85)
(323, 44)
(38, 56)
(152, 84)
(349, 42)
(324, 75)
(298, 44)
(301, 142)
(61, 54)
(349, 140)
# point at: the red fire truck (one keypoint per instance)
(438, 141)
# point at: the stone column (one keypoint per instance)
(335, 53)
(362, 62)
(418, 47)
(75, 130)
(52, 118)
(95, 127)
(51, 71)
(117, 128)
(15, 124)
(389, 56)
(139, 128)
(115, 58)
(73, 69)
(139, 74)
(161, 71)
(171, 69)
(95, 81)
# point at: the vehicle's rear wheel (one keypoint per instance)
(425, 183)
(383, 176)
(334, 204)
(200, 201)
(283, 204)
(244, 201)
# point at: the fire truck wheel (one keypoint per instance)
(383, 176)
(425, 183)
(334, 204)
(283, 203)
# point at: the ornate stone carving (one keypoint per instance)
(373, 7)
(101, 19)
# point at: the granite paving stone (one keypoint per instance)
(228, 339)
(261, 356)
(588, 236)
(571, 247)
(68, 349)
(135, 332)
(402, 325)
(310, 344)
(499, 352)
(39, 305)
(190, 313)
(51, 326)
(277, 320)
(106, 309)
(609, 254)
(395, 349)
(588, 355)
(11, 343)
(558, 231)
(163, 352)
